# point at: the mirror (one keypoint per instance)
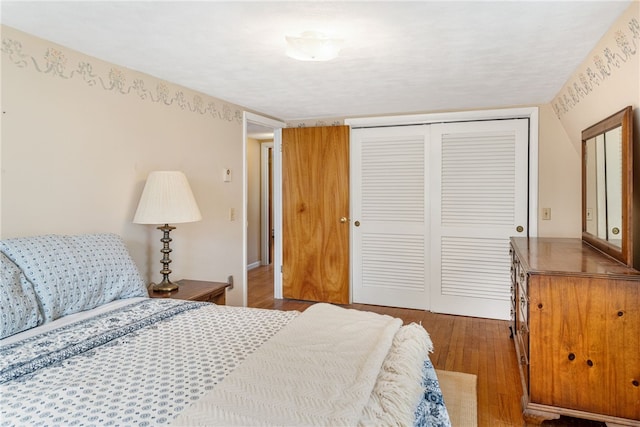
(607, 181)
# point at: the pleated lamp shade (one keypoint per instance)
(167, 199)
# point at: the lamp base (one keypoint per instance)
(164, 286)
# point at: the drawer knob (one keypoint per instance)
(620, 313)
(635, 383)
(590, 362)
(572, 356)
(540, 306)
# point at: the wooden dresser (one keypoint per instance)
(576, 323)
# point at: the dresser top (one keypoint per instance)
(567, 256)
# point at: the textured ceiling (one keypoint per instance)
(398, 57)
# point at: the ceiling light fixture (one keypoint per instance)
(313, 46)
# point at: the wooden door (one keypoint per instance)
(315, 211)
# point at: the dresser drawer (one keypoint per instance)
(522, 341)
(523, 306)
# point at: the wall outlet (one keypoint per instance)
(232, 214)
(230, 282)
(546, 213)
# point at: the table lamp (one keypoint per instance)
(166, 199)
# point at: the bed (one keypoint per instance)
(82, 344)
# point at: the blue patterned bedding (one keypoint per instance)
(431, 410)
(142, 364)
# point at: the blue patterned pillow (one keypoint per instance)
(75, 273)
(19, 309)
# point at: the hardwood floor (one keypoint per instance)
(464, 344)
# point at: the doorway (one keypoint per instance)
(259, 135)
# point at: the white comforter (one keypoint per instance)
(322, 369)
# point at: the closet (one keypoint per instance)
(433, 207)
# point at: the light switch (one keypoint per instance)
(226, 175)
(546, 213)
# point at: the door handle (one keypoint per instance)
(344, 219)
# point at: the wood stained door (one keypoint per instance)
(315, 211)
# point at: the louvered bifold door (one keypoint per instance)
(390, 250)
(479, 181)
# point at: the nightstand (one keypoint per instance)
(196, 290)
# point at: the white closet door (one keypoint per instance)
(479, 198)
(390, 249)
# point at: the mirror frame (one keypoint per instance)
(625, 252)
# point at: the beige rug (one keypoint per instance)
(460, 397)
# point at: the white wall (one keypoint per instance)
(559, 179)
(79, 137)
(607, 81)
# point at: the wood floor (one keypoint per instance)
(464, 344)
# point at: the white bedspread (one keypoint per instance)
(304, 375)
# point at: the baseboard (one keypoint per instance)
(254, 265)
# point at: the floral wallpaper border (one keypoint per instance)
(54, 63)
(317, 123)
(601, 67)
